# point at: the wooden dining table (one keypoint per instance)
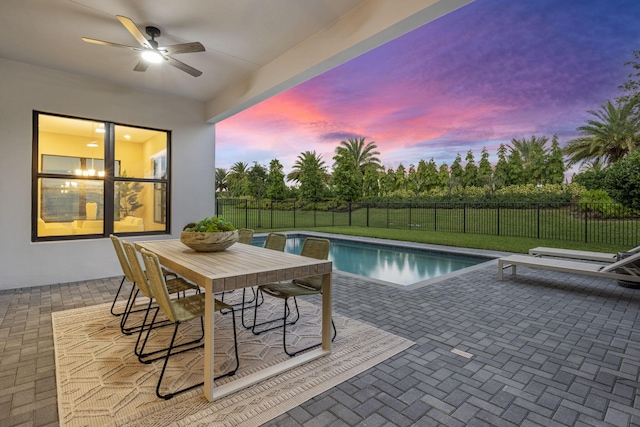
(237, 267)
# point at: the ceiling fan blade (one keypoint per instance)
(142, 65)
(184, 67)
(103, 43)
(183, 48)
(135, 32)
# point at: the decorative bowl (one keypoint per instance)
(209, 242)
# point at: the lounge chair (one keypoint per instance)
(574, 254)
(627, 269)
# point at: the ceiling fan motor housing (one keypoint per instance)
(153, 32)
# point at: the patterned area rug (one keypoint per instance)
(100, 381)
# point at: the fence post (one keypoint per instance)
(498, 206)
(464, 218)
(349, 204)
(586, 230)
(367, 214)
(410, 216)
(294, 214)
(435, 217)
(246, 213)
(538, 220)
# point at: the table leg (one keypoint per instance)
(327, 330)
(209, 310)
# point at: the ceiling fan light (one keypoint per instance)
(151, 56)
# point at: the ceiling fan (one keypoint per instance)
(150, 51)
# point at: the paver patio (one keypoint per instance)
(546, 349)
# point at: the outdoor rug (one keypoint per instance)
(100, 382)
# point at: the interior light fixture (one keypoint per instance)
(152, 56)
(92, 171)
(100, 129)
(127, 137)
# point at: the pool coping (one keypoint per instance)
(491, 256)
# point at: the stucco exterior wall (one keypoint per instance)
(24, 88)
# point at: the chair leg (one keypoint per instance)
(127, 311)
(140, 353)
(284, 337)
(164, 367)
(287, 312)
(146, 357)
(245, 304)
(169, 354)
(127, 305)
(256, 294)
(235, 345)
(116, 298)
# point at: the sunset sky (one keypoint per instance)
(484, 74)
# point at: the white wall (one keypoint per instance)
(24, 88)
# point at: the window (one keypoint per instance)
(96, 178)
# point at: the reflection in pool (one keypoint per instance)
(389, 263)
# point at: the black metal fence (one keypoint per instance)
(586, 222)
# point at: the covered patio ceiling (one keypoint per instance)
(254, 49)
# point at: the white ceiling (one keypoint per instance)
(241, 37)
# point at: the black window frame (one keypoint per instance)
(109, 181)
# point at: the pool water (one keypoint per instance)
(391, 264)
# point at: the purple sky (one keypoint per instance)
(484, 74)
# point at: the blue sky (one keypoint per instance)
(484, 74)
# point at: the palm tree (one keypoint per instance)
(239, 168)
(613, 133)
(363, 154)
(529, 147)
(308, 160)
(221, 179)
(237, 179)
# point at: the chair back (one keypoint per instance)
(276, 241)
(317, 248)
(157, 284)
(138, 274)
(625, 262)
(122, 257)
(245, 235)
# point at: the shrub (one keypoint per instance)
(598, 204)
(622, 180)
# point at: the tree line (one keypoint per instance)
(356, 173)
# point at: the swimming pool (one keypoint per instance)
(400, 265)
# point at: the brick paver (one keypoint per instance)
(547, 349)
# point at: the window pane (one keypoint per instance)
(70, 206)
(70, 146)
(142, 153)
(139, 206)
(73, 177)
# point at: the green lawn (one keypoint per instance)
(504, 229)
(497, 243)
(478, 241)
